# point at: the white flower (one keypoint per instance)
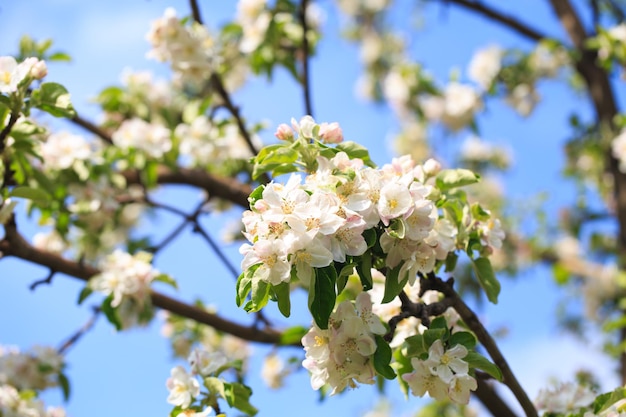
(459, 388)
(205, 363)
(485, 65)
(618, 148)
(523, 99)
(183, 387)
(273, 371)
(12, 73)
(564, 398)
(136, 133)
(447, 363)
(60, 150)
(192, 413)
(422, 381)
(491, 233)
(271, 255)
(123, 275)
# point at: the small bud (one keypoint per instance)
(432, 167)
(331, 132)
(284, 132)
(39, 70)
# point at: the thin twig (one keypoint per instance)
(218, 251)
(306, 78)
(71, 341)
(46, 280)
(91, 127)
(510, 22)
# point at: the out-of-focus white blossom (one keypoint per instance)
(61, 149)
(565, 398)
(485, 65)
(153, 139)
(455, 108)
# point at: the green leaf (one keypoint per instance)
(256, 195)
(85, 292)
(463, 338)
(354, 150)
(59, 56)
(487, 278)
(382, 358)
(282, 294)
(167, 280)
(431, 335)
(416, 345)
(244, 284)
(344, 274)
(260, 295)
(561, 274)
(370, 237)
(215, 386)
(111, 313)
(53, 98)
(293, 335)
(452, 178)
(478, 361)
(397, 229)
(392, 286)
(35, 194)
(65, 386)
(322, 295)
(238, 396)
(451, 261)
(364, 269)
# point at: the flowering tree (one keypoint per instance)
(389, 261)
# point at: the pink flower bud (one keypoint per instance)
(284, 132)
(39, 70)
(331, 132)
(432, 167)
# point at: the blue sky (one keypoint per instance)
(124, 374)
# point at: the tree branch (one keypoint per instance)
(226, 188)
(306, 81)
(473, 322)
(91, 127)
(15, 245)
(510, 22)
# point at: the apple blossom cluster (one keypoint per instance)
(455, 108)
(16, 403)
(443, 375)
(190, 50)
(37, 369)
(62, 150)
(125, 280)
(14, 75)
(342, 355)
(565, 398)
(187, 397)
(151, 138)
(184, 334)
(475, 151)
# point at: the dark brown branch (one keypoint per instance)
(4, 133)
(91, 127)
(222, 187)
(490, 399)
(510, 22)
(306, 78)
(195, 11)
(473, 323)
(603, 98)
(15, 245)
